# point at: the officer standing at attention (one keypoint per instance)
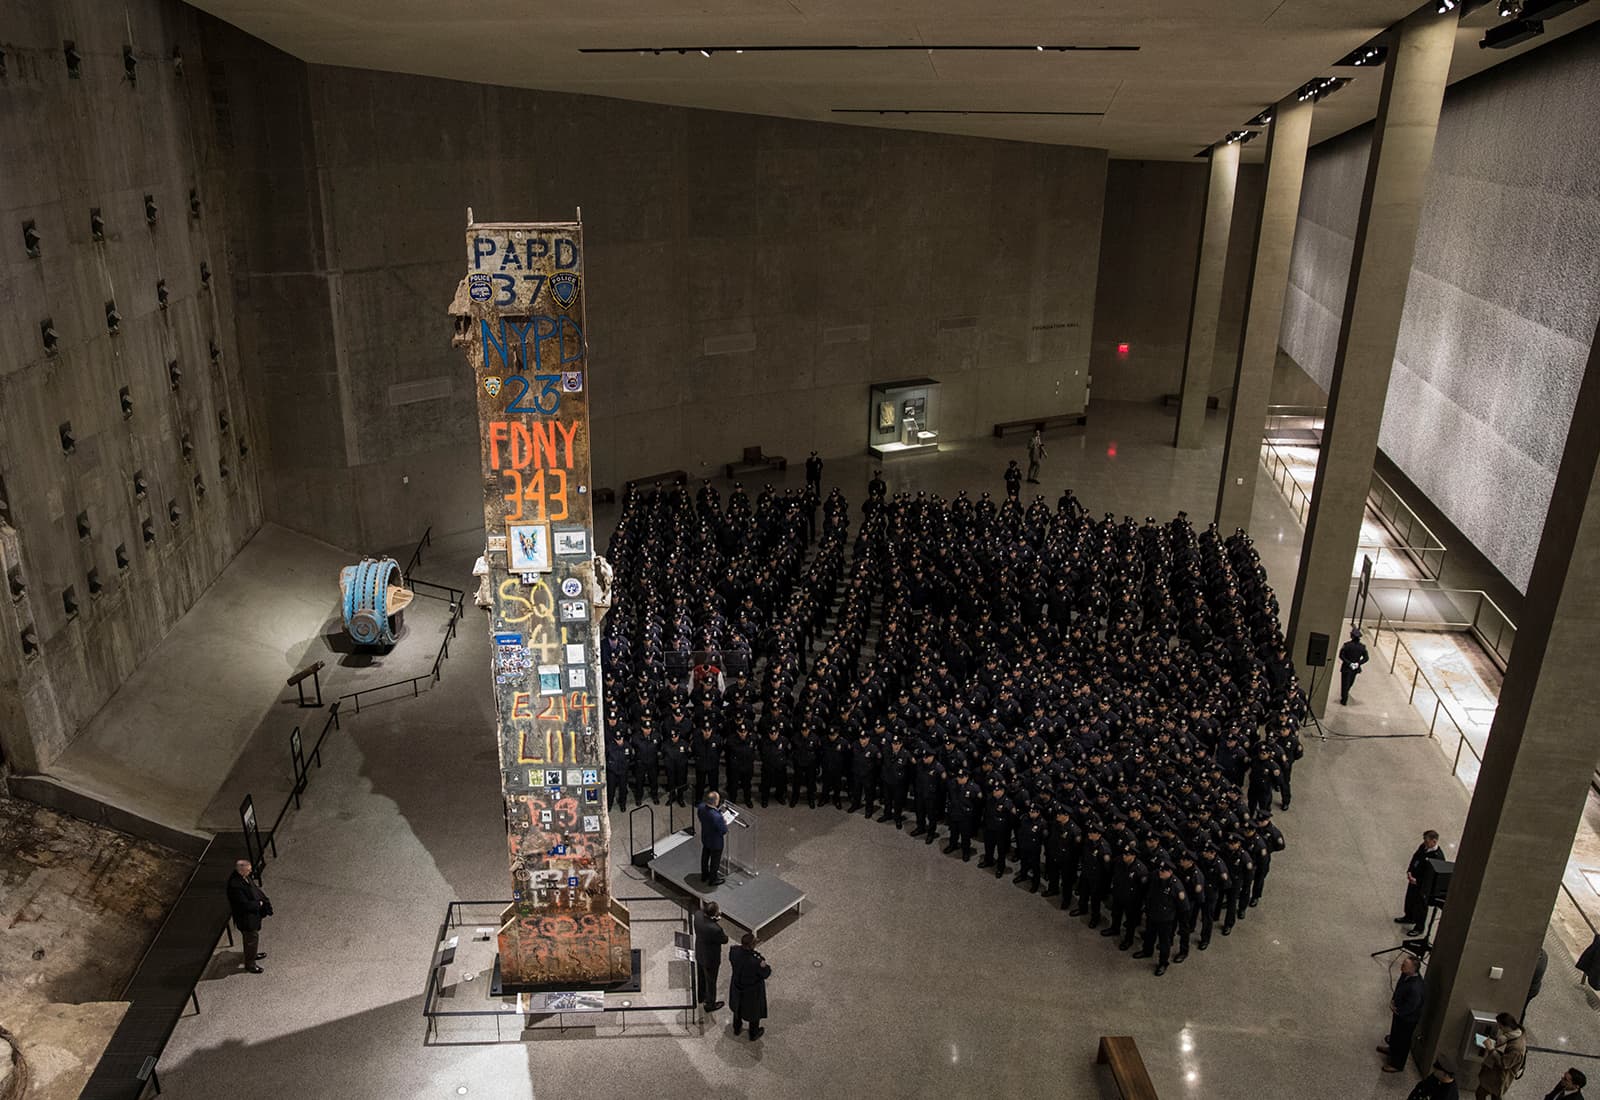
(708, 940)
(929, 787)
(617, 771)
(961, 812)
(1162, 906)
(675, 754)
(1352, 655)
(1013, 478)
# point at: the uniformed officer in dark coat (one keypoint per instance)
(962, 799)
(1165, 900)
(707, 762)
(1031, 831)
(1241, 874)
(709, 937)
(747, 989)
(617, 771)
(1061, 849)
(741, 765)
(835, 765)
(804, 762)
(864, 759)
(645, 770)
(894, 772)
(1352, 655)
(928, 787)
(1130, 882)
(999, 817)
(775, 753)
(675, 756)
(1095, 865)
(1198, 910)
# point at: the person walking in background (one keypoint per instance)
(1352, 655)
(1504, 1055)
(713, 835)
(248, 905)
(747, 989)
(709, 937)
(1406, 1006)
(1036, 452)
(1570, 1087)
(1416, 911)
(814, 474)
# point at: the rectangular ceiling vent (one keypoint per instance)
(847, 334)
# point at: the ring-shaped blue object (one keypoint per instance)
(366, 599)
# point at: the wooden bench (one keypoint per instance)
(1121, 1053)
(1061, 420)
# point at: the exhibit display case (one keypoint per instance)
(903, 417)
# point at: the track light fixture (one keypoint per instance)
(1364, 56)
(1512, 33)
(1446, 6)
(707, 51)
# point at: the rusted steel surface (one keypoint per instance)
(519, 317)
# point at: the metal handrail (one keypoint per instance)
(416, 555)
(1283, 477)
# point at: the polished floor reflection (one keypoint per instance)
(911, 973)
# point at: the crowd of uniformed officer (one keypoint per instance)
(1107, 703)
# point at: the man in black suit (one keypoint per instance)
(1406, 1006)
(1416, 912)
(713, 835)
(747, 990)
(248, 905)
(708, 940)
(1570, 1087)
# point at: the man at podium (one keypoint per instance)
(713, 836)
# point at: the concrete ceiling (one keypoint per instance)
(1203, 67)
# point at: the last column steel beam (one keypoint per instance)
(519, 316)
(1263, 313)
(1206, 301)
(1380, 269)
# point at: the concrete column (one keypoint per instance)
(1206, 301)
(1380, 268)
(1263, 311)
(1540, 757)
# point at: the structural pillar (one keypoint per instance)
(1206, 301)
(1380, 269)
(1287, 137)
(1537, 766)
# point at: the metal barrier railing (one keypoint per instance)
(1282, 474)
(432, 677)
(1475, 612)
(1295, 417)
(1425, 548)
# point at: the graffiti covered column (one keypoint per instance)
(519, 317)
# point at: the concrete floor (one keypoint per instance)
(910, 973)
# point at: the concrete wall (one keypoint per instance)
(1503, 297)
(748, 279)
(1149, 245)
(102, 140)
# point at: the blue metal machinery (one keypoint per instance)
(369, 617)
